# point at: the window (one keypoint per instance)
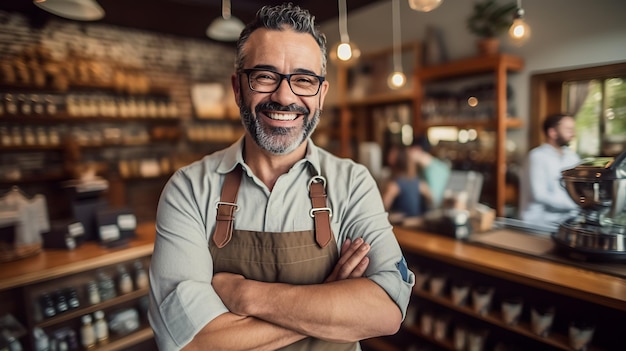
(599, 107)
(595, 96)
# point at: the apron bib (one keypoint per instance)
(301, 257)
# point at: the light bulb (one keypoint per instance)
(396, 80)
(519, 32)
(345, 53)
(424, 5)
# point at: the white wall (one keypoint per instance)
(565, 34)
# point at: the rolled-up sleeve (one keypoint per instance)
(182, 299)
(363, 215)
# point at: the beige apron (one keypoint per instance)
(303, 257)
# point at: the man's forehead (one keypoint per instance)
(299, 50)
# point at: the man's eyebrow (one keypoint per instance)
(267, 67)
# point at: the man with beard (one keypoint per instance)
(274, 243)
(544, 201)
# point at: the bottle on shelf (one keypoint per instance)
(125, 281)
(72, 298)
(93, 293)
(87, 332)
(141, 276)
(106, 286)
(47, 305)
(101, 327)
(60, 302)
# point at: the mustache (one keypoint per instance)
(274, 106)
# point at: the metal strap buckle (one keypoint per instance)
(316, 179)
(217, 205)
(313, 210)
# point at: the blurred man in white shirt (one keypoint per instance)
(544, 201)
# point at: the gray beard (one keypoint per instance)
(277, 140)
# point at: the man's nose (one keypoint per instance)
(283, 94)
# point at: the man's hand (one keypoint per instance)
(353, 261)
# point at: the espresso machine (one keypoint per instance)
(598, 233)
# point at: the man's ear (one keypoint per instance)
(323, 91)
(236, 86)
(552, 133)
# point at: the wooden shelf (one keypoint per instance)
(470, 66)
(23, 282)
(445, 343)
(120, 343)
(523, 328)
(65, 118)
(574, 291)
(50, 177)
(83, 87)
(30, 148)
(382, 99)
(497, 66)
(511, 123)
(597, 288)
(78, 312)
(50, 263)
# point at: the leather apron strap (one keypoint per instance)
(226, 208)
(320, 211)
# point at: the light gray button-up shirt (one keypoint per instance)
(182, 300)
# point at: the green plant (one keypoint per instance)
(490, 19)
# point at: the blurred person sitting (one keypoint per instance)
(433, 172)
(401, 192)
(543, 200)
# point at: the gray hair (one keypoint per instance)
(277, 18)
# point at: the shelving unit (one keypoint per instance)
(523, 328)
(356, 117)
(357, 120)
(23, 281)
(574, 292)
(498, 66)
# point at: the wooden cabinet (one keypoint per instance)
(574, 292)
(24, 282)
(463, 114)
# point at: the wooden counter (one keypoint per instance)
(598, 288)
(53, 263)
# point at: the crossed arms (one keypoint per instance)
(267, 316)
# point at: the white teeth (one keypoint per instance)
(283, 116)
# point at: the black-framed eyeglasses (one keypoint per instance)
(268, 81)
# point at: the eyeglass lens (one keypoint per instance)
(263, 81)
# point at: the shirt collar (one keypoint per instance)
(233, 155)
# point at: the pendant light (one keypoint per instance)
(227, 27)
(396, 79)
(519, 31)
(424, 5)
(344, 52)
(78, 10)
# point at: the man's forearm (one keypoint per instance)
(342, 311)
(233, 332)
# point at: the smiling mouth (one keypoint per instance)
(282, 116)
